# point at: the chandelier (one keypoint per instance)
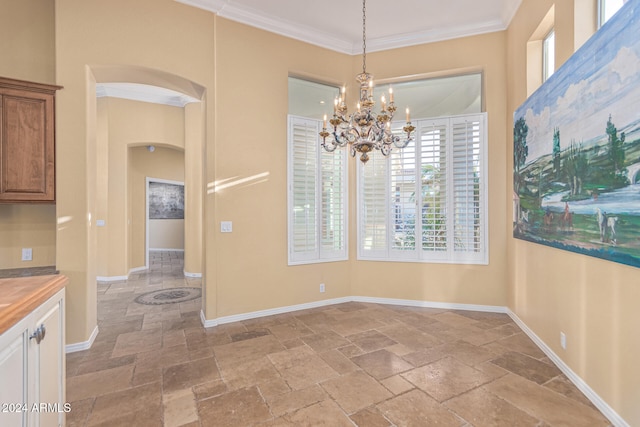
(364, 130)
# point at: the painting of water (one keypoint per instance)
(576, 161)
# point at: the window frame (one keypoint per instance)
(320, 255)
(417, 254)
(601, 12)
(548, 55)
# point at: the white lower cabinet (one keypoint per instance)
(32, 368)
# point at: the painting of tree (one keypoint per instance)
(576, 149)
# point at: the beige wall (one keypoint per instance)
(250, 264)
(452, 283)
(27, 40)
(594, 302)
(194, 141)
(161, 42)
(129, 123)
(166, 234)
(168, 43)
(164, 163)
(27, 226)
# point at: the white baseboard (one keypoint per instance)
(207, 323)
(431, 304)
(111, 278)
(599, 403)
(606, 410)
(85, 345)
(138, 269)
(187, 274)
(165, 249)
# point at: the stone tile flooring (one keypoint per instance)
(348, 364)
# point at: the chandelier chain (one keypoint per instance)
(364, 130)
(364, 36)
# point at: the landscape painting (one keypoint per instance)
(577, 149)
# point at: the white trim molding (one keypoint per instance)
(85, 345)
(270, 20)
(149, 180)
(111, 278)
(599, 403)
(432, 304)
(207, 323)
(195, 275)
(602, 406)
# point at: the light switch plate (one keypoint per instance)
(226, 226)
(100, 222)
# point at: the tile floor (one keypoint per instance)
(348, 364)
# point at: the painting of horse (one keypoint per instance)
(576, 149)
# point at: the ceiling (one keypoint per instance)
(337, 24)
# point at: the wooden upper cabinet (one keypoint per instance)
(27, 142)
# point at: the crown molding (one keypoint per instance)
(252, 17)
(211, 5)
(257, 19)
(423, 37)
(509, 11)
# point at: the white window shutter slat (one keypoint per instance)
(427, 202)
(434, 135)
(469, 210)
(317, 199)
(303, 169)
(373, 206)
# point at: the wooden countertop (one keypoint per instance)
(20, 296)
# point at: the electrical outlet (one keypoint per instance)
(226, 226)
(563, 340)
(27, 254)
(321, 287)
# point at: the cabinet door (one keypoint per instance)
(27, 147)
(13, 372)
(47, 373)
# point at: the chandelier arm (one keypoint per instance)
(338, 140)
(402, 144)
(329, 147)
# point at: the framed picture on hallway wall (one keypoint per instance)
(577, 149)
(166, 201)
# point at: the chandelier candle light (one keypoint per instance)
(364, 130)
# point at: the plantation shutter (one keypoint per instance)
(433, 136)
(467, 162)
(404, 198)
(303, 167)
(427, 201)
(317, 196)
(333, 214)
(373, 211)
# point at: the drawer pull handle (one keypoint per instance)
(39, 333)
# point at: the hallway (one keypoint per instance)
(347, 364)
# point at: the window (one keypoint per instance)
(548, 55)
(317, 181)
(427, 202)
(538, 49)
(608, 8)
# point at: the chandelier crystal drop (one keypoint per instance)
(364, 130)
